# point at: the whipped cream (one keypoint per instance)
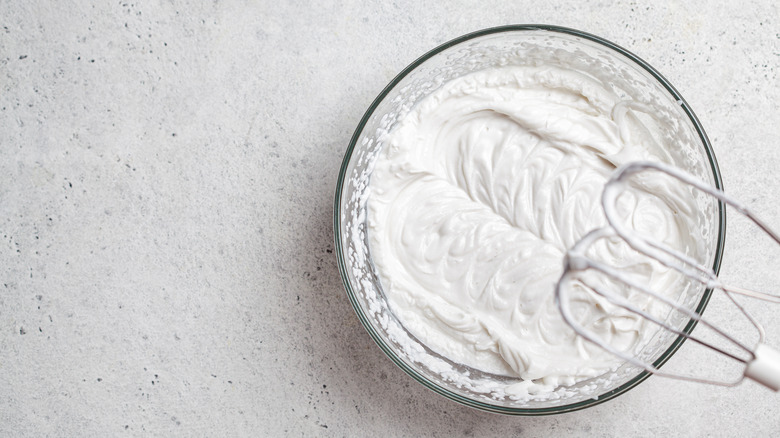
(477, 194)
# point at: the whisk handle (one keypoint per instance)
(765, 367)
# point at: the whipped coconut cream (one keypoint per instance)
(477, 194)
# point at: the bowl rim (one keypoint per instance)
(342, 260)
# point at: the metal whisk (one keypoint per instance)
(762, 362)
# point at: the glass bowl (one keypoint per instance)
(626, 75)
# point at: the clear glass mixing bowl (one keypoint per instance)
(630, 78)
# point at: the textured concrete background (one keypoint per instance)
(167, 172)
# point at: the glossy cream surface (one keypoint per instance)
(476, 196)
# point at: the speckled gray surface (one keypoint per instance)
(168, 171)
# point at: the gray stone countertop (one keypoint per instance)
(167, 172)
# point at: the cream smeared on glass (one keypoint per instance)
(475, 198)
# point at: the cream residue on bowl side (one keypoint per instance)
(475, 197)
